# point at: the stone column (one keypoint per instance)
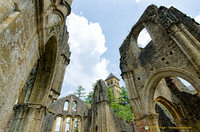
(148, 123)
(187, 44)
(133, 94)
(27, 118)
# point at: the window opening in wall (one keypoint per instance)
(66, 105)
(74, 107)
(76, 128)
(67, 127)
(143, 38)
(186, 86)
(58, 122)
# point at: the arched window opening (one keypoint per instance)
(77, 123)
(67, 127)
(57, 124)
(74, 107)
(66, 105)
(185, 86)
(165, 119)
(143, 38)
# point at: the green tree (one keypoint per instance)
(122, 106)
(88, 99)
(111, 97)
(124, 96)
(80, 92)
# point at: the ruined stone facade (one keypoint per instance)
(99, 118)
(173, 52)
(103, 119)
(57, 109)
(34, 53)
(33, 57)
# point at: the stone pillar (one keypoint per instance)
(72, 125)
(187, 44)
(148, 123)
(27, 118)
(133, 94)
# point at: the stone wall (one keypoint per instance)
(57, 109)
(102, 116)
(172, 52)
(29, 34)
(99, 118)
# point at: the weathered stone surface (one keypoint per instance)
(57, 109)
(173, 52)
(99, 118)
(103, 118)
(25, 39)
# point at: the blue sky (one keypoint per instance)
(97, 28)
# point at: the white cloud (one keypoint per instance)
(197, 18)
(137, 1)
(143, 38)
(87, 44)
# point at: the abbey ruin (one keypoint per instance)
(34, 54)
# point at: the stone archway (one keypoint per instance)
(149, 103)
(172, 110)
(31, 107)
(154, 79)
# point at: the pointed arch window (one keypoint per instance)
(57, 124)
(67, 126)
(77, 125)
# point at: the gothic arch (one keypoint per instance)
(57, 123)
(68, 123)
(45, 72)
(169, 106)
(154, 79)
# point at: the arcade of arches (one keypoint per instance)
(35, 52)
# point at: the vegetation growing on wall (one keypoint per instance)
(120, 106)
